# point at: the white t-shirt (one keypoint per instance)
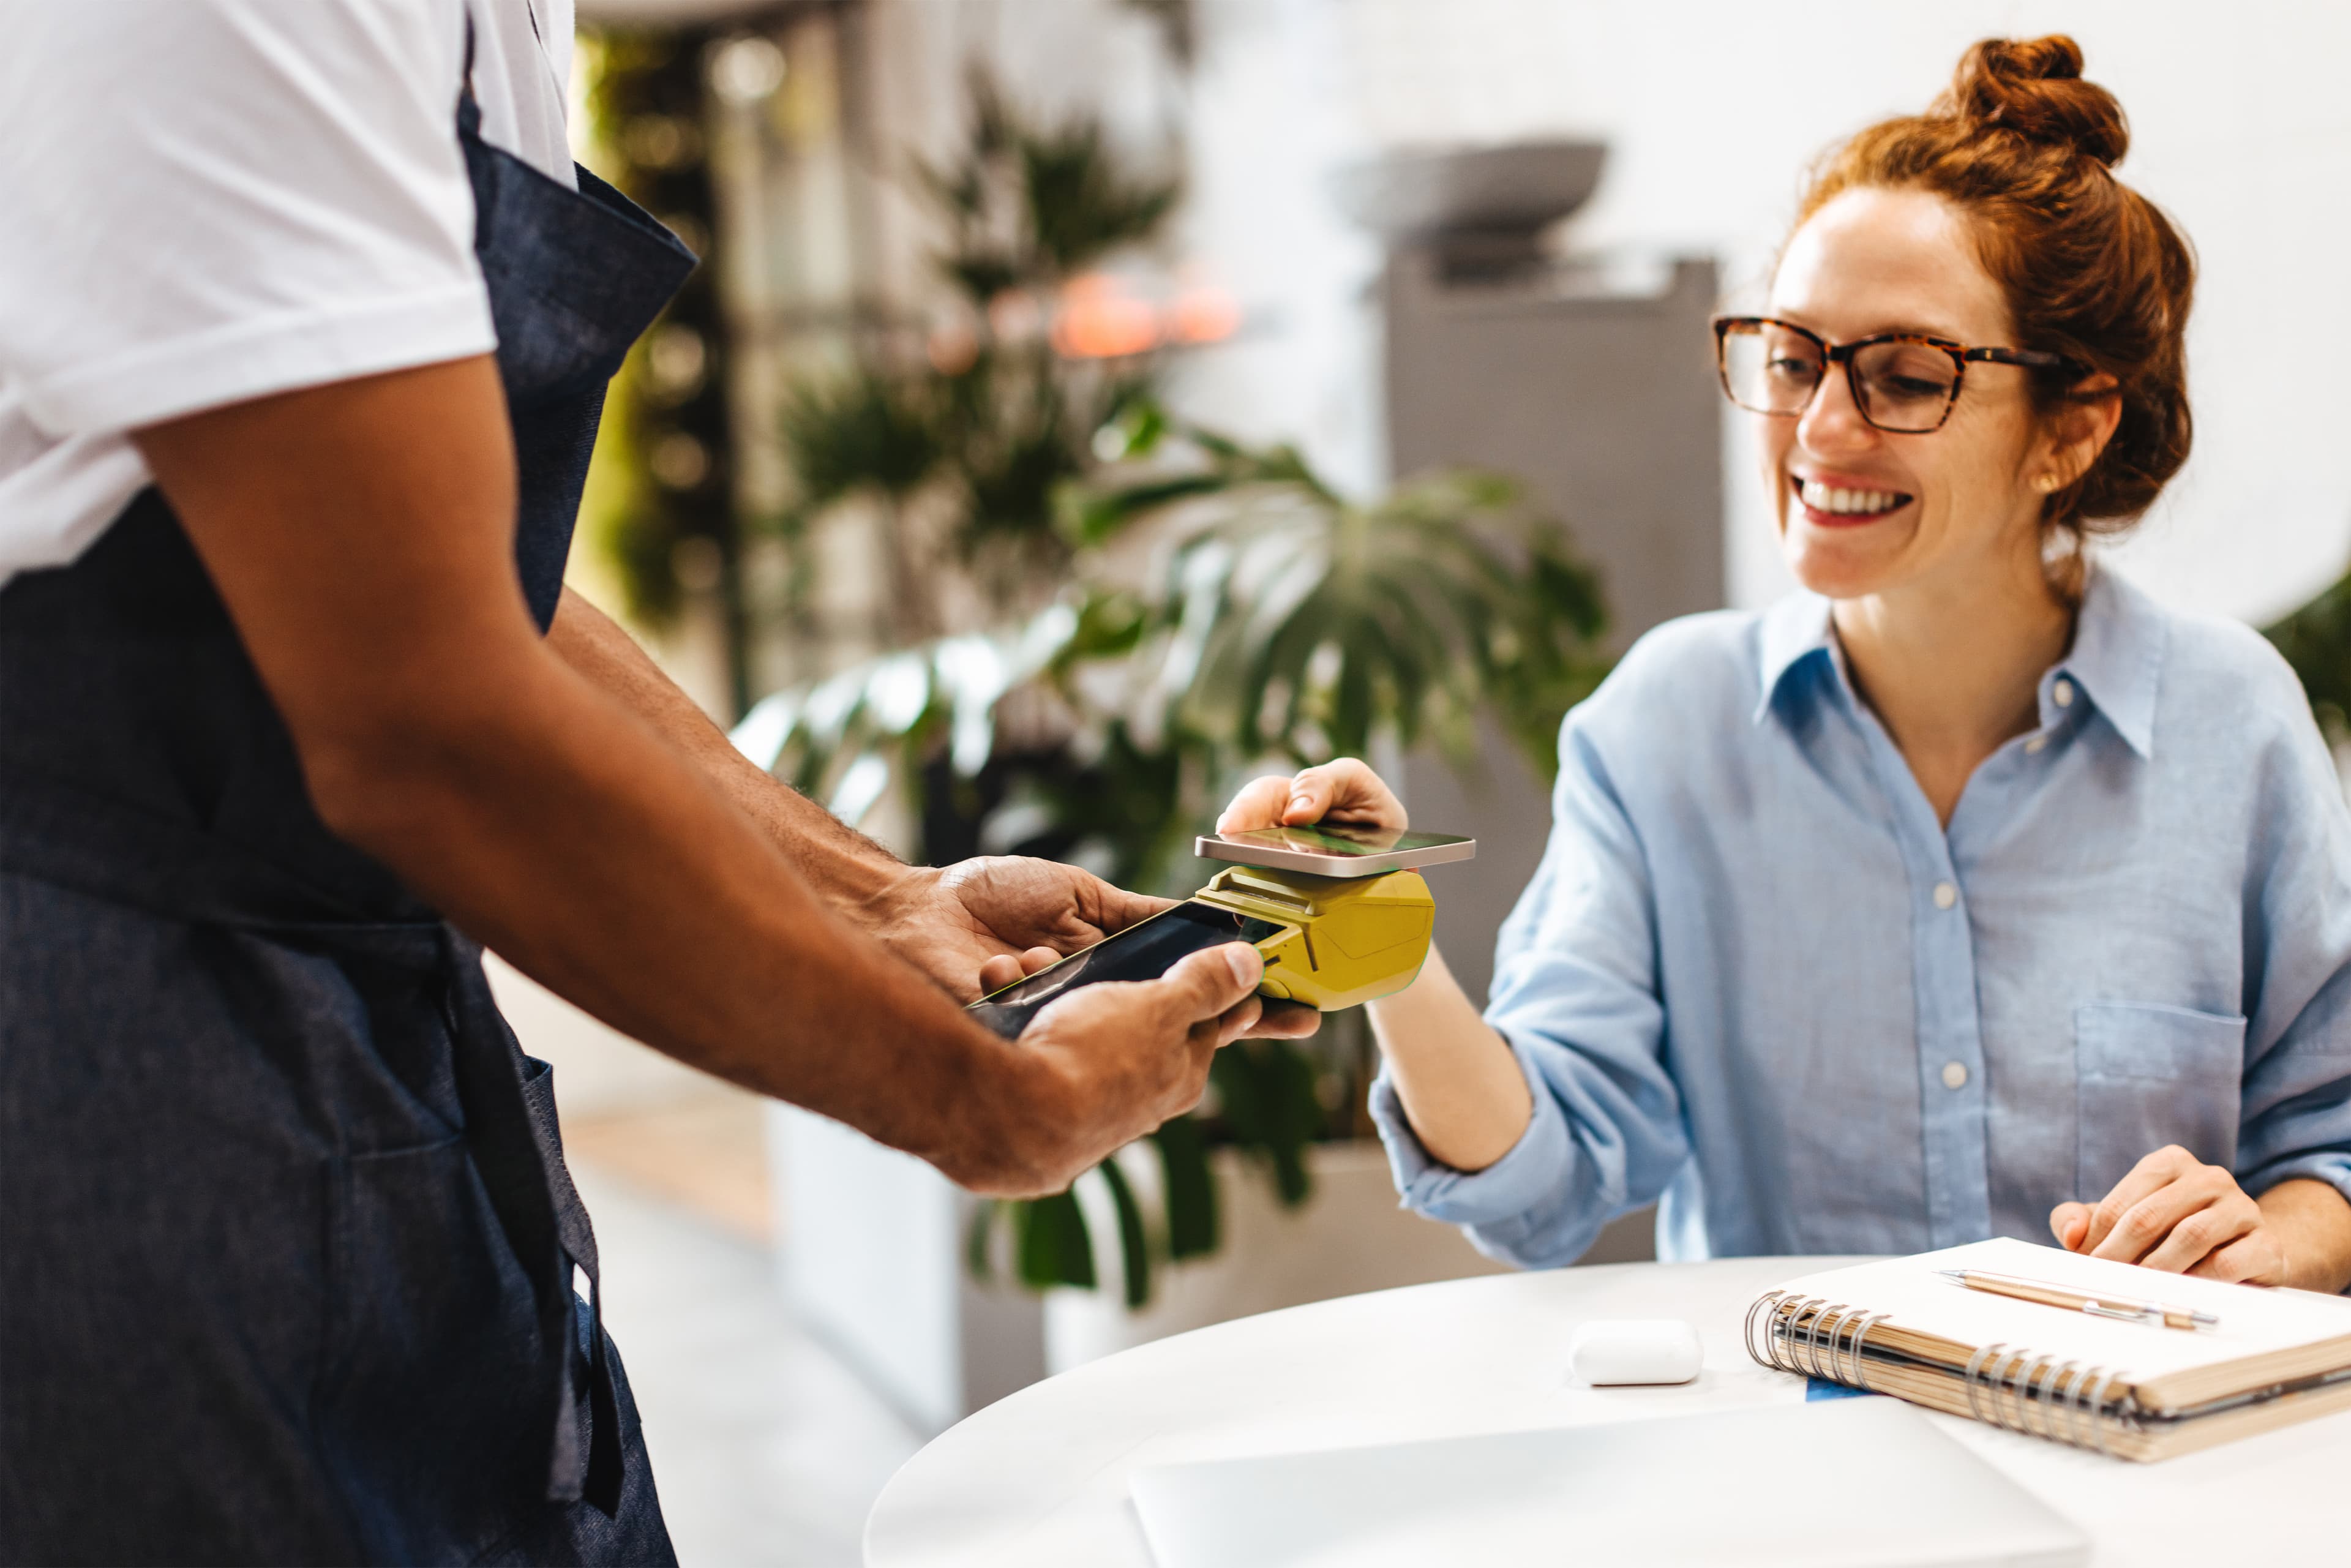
(207, 201)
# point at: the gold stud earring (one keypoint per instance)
(2047, 484)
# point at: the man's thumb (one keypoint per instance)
(1205, 984)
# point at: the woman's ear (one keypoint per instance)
(2079, 431)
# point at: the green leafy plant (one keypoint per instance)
(978, 430)
(2316, 640)
(1030, 204)
(1301, 626)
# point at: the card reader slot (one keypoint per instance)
(1240, 884)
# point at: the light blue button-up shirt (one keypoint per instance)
(1755, 977)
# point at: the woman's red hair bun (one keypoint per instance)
(2033, 87)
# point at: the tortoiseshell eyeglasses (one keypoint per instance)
(1903, 382)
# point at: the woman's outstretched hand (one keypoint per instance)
(1341, 791)
(1461, 1085)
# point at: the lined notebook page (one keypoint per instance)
(2252, 1321)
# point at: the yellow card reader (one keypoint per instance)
(1354, 928)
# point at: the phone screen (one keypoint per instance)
(1143, 951)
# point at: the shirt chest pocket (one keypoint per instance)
(2150, 1075)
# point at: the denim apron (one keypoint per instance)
(288, 1253)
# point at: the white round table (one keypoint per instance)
(1039, 1479)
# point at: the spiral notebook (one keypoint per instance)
(2130, 1389)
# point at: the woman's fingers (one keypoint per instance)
(2255, 1259)
(1260, 804)
(2228, 1216)
(2070, 1223)
(2156, 1171)
(2146, 1230)
(1347, 791)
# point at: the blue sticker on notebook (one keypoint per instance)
(1820, 1388)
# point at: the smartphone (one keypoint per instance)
(1330, 849)
(1143, 951)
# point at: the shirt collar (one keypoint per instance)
(2115, 660)
(1793, 630)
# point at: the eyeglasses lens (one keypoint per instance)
(1905, 386)
(1767, 369)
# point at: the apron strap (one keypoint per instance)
(515, 1147)
(469, 110)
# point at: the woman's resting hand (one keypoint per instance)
(2175, 1213)
(1340, 791)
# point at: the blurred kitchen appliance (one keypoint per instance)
(1591, 379)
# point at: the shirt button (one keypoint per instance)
(2032, 747)
(1946, 895)
(1955, 1076)
(2063, 693)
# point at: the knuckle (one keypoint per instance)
(2235, 1266)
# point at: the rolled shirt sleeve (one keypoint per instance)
(1575, 995)
(2296, 1117)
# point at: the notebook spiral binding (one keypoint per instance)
(2040, 1395)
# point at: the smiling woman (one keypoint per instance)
(1968, 891)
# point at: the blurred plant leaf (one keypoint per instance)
(1081, 205)
(1027, 206)
(2316, 640)
(1265, 1093)
(1193, 1227)
(1011, 483)
(977, 1235)
(1050, 1244)
(1304, 625)
(1134, 1254)
(866, 431)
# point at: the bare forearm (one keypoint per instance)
(950, 924)
(2314, 1224)
(550, 824)
(834, 859)
(1459, 1080)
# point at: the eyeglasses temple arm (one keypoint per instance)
(2031, 358)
